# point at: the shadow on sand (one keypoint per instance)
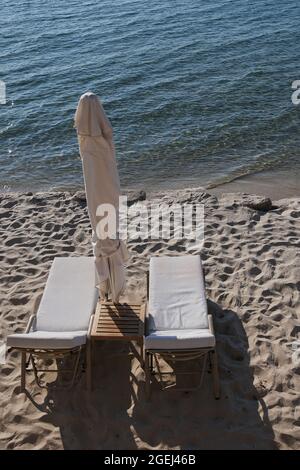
(116, 414)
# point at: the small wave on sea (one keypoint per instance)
(196, 92)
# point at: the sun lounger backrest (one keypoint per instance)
(70, 295)
(176, 293)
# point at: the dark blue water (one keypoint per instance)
(198, 91)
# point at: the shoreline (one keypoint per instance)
(275, 184)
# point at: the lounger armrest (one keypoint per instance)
(211, 324)
(143, 313)
(143, 310)
(31, 320)
(89, 332)
(36, 303)
(147, 284)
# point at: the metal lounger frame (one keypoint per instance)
(28, 356)
(182, 355)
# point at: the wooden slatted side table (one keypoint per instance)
(122, 322)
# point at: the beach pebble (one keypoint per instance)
(252, 201)
(135, 196)
(259, 203)
(80, 196)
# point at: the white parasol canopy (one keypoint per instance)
(102, 185)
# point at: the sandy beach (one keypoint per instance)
(252, 266)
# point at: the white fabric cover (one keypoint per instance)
(177, 294)
(68, 301)
(102, 185)
(90, 118)
(47, 340)
(180, 339)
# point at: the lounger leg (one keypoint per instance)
(23, 371)
(215, 371)
(89, 365)
(141, 344)
(147, 376)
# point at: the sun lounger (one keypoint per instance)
(178, 325)
(63, 322)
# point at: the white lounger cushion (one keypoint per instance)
(69, 297)
(68, 301)
(180, 339)
(47, 340)
(177, 294)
